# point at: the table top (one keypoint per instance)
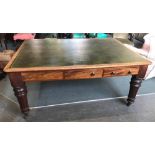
(48, 53)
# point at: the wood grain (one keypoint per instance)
(135, 84)
(83, 74)
(20, 91)
(63, 68)
(42, 76)
(79, 73)
(120, 71)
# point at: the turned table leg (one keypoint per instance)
(135, 84)
(20, 91)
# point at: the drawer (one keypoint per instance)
(83, 74)
(120, 71)
(42, 76)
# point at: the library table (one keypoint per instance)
(68, 59)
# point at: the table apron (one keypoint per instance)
(79, 73)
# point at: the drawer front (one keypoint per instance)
(42, 76)
(83, 74)
(120, 71)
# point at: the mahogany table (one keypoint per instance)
(68, 59)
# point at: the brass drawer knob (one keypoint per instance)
(113, 73)
(92, 74)
(129, 72)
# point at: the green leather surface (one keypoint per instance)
(67, 52)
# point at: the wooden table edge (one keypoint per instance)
(9, 69)
(8, 66)
(61, 68)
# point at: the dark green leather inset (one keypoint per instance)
(67, 52)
